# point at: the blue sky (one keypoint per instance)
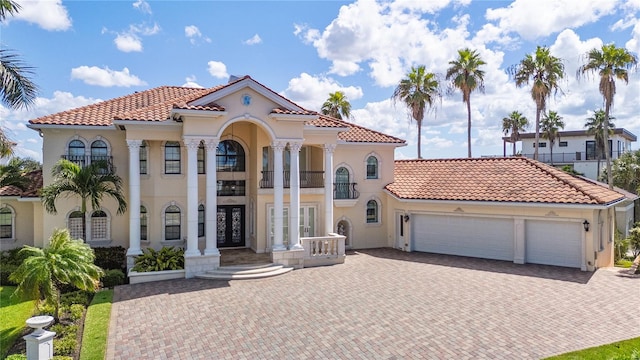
(87, 51)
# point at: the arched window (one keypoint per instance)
(100, 152)
(143, 224)
(144, 155)
(372, 167)
(99, 226)
(172, 223)
(372, 211)
(230, 156)
(7, 219)
(76, 152)
(74, 224)
(201, 220)
(342, 186)
(201, 158)
(172, 157)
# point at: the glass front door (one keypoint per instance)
(230, 226)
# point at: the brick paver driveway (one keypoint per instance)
(381, 304)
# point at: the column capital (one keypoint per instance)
(191, 143)
(278, 145)
(211, 143)
(134, 144)
(295, 146)
(329, 148)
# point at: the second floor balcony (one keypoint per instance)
(85, 160)
(345, 191)
(571, 157)
(308, 179)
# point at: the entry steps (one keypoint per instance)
(243, 272)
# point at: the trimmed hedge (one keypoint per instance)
(109, 258)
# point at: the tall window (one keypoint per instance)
(230, 156)
(99, 225)
(74, 224)
(6, 223)
(172, 157)
(143, 224)
(99, 152)
(342, 183)
(201, 220)
(76, 152)
(143, 158)
(372, 211)
(372, 167)
(201, 161)
(172, 223)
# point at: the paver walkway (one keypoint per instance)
(381, 304)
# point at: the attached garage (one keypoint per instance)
(556, 243)
(483, 237)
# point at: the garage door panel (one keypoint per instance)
(490, 238)
(556, 243)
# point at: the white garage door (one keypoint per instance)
(488, 238)
(554, 243)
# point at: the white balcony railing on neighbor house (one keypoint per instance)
(571, 157)
(323, 250)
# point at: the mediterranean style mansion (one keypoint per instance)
(240, 166)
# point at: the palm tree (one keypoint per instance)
(465, 75)
(550, 127)
(611, 63)
(63, 262)
(626, 171)
(544, 71)
(337, 106)
(419, 91)
(515, 123)
(595, 126)
(14, 173)
(90, 183)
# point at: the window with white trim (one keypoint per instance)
(99, 226)
(372, 167)
(75, 152)
(74, 224)
(172, 222)
(172, 157)
(143, 224)
(372, 212)
(7, 223)
(144, 156)
(201, 158)
(201, 220)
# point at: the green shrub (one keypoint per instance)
(16, 357)
(76, 297)
(109, 258)
(76, 311)
(45, 308)
(5, 271)
(112, 278)
(65, 346)
(167, 258)
(12, 257)
(63, 330)
(58, 357)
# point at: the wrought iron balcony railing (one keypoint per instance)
(308, 179)
(85, 160)
(345, 191)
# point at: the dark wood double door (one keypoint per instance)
(230, 226)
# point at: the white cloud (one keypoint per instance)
(190, 81)
(143, 6)
(48, 14)
(540, 18)
(255, 39)
(217, 69)
(105, 77)
(311, 92)
(193, 34)
(128, 43)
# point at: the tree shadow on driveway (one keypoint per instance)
(495, 266)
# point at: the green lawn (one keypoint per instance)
(96, 326)
(13, 312)
(622, 350)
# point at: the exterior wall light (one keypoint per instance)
(586, 225)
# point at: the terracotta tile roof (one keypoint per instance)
(33, 190)
(152, 105)
(207, 107)
(292, 112)
(514, 179)
(356, 133)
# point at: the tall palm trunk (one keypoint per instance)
(605, 138)
(419, 138)
(537, 139)
(551, 151)
(469, 126)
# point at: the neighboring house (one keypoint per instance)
(236, 165)
(578, 149)
(25, 229)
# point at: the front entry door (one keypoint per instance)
(230, 222)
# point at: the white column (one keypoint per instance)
(294, 196)
(278, 196)
(328, 187)
(192, 196)
(211, 199)
(134, 197)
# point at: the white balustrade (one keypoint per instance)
(323, 250)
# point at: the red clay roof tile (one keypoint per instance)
(33, 190)
(514, 179)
